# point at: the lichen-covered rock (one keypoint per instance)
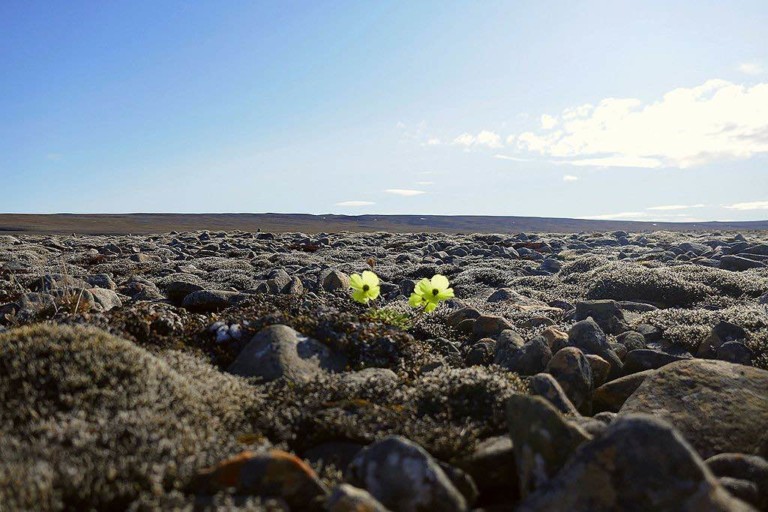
(718, 406)
(279, 351)
(272, 473)
(638, 464)
(542, 439)
(211, 300)
(403, 477)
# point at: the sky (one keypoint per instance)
(653, 110)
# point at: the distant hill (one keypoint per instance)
(143, 223)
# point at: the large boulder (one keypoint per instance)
(639, 464)
(279, 351)
(718, 406)
(542, 439)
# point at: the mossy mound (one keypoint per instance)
(447, 410)
(90, 420)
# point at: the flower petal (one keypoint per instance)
(424, 287)
(416, 300)
(374, 292)
(445, 294)
(440, 282)
(360, 296)
(356, 282)
(370, 278)
(430, 307)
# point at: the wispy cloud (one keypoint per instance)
(485, 138)
(676, 207)
(355, 203)
(404, 192)
(614, 161)
(685, 128)
(570, 178)
(755, 205)
(512, 158)
(751, 68)
(425, 183)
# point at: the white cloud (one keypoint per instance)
(465, 139)
(686, 127)
(355, 203)
(434, 141)
(751, 68)
(484, 138)
(570, 178)
(425, 183)
(676, 207)
(548, 122)
(755, 205)
(513, 158)
(404, 192)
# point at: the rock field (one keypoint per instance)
(233, 371)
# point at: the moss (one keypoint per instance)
(102, 421)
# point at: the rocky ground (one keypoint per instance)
(232, 371)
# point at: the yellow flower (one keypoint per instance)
(429, 292)
(365, 287)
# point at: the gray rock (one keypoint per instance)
(587, 336)
(649, 359)
(542, 439)
(739, 263)
(529, 359)
(639, 464)
(545, 386)
(720, 333)
(101, 281)
(332, 280)
(735, 352)
(481, 353)
(492, 466)
(279, 351)
(605, 313)
(404, 477)
(743, 467)
(106, 299)
(744, 490)
(729, 399)
(632, 340)
(211, 300)
(600, 369)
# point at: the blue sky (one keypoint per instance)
(653, 110)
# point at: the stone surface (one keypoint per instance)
(639, 464)
(587, 336)
(572, 370)
(718, 406)
(542, 439)
(612, 395)
(279, 351)
(529, 359)
(346, 498)
(404, 477)
(545, 386)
